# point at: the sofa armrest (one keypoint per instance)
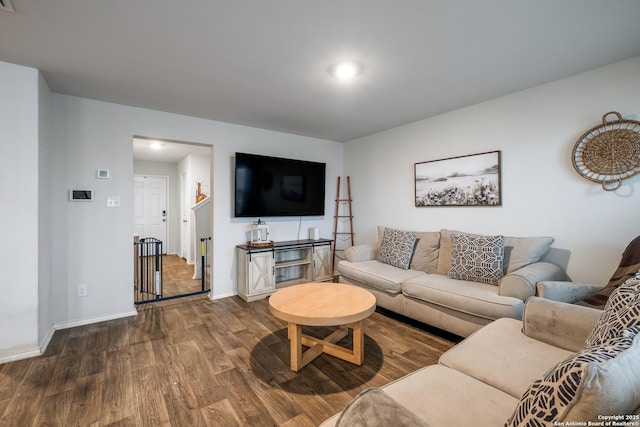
(566, 291)
(359, 253)
(521, 283)
(557, 323)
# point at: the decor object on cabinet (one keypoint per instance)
(259, 234)
(472, 180)
(609, 153)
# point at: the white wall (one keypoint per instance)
(200, 172)
(19, 182)
(173, 203)
(45, 214)
(93, 243)
(536, 130)
(196, 169)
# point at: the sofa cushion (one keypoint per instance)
(477, 258)
(445, 397)
(522, 251)
(478, 299)
(374, 407)
(397, 248)
(500, 355)
(425, 256)
(621, 311)
(378, 275)
(599, 380)
(519, 251)
(444, 253)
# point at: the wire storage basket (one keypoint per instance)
(610, 152)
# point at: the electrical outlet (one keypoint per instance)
(82, 290)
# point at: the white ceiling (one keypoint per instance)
(264, 63)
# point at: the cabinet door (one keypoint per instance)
(322, 263)
(260, 273)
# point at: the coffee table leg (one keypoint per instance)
(358, 343)
(295, 339)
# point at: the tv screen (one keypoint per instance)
(273, 186)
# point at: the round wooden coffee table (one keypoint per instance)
(323, 304)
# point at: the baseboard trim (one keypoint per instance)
(83, 322)
(19, 356)
(46, 339)
(225, 295)
(28, 354)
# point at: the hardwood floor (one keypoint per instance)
(178, 276)
(197, 362)
(177, 279)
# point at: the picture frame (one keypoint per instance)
(471, 180)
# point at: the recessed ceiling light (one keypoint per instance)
(155, 145)
(345, 71)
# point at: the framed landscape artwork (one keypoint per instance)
(472, 180)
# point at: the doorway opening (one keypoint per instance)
(173, 208)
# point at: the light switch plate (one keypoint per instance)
(113, 201)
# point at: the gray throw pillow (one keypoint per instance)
(477, 258)
(397, 248)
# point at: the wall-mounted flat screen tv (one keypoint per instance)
(272, 186)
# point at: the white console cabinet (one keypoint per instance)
(263, 270)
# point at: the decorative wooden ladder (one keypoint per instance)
(341, 237)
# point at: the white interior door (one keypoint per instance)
(150, 207)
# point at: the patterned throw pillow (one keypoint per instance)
(621, 311)
(599, 380)
(477, 258)
(397, 248)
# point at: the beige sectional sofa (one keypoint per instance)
(454, 281)
(513, 373)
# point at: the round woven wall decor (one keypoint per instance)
(610, 152)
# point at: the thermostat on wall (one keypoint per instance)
(81, 195)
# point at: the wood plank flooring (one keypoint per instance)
(177, 279)
(197, 362)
